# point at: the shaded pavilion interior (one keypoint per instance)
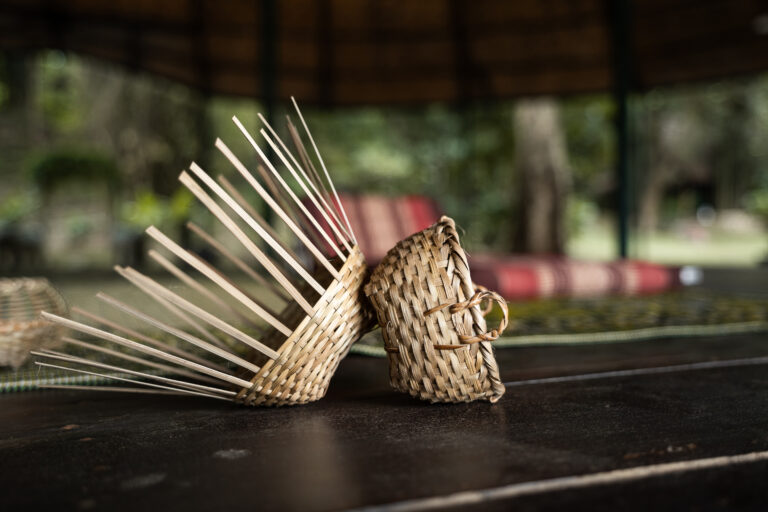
(348, 52)
(332, 53)
(365, 445)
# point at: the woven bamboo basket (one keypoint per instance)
(310, 355)
(21, 328)
(434, 330)
(222, 341)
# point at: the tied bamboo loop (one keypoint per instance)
(482, 294)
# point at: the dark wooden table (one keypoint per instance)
(548, 445)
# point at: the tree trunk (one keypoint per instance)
(544, 177)
(651, 197)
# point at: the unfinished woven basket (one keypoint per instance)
(281, 351)
(429, 310)
(21, 328)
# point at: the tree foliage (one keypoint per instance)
(462, 156)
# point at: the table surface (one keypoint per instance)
(553, 441)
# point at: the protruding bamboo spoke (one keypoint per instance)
(300, 204)
(308, 215)
(108, 336)
(111, 389)
(202, 290)
(315, 195)
(214, 276)
(333, 244)
(146, 362)
(224, 354)
(181, 315)
(243, 266)
(272, 242)
(257, 253)
(133, 275)
(256, 216)
(53, 354)
(315, 177)
(146, 339)
(274, 190)
(133, 381)
(322, 164)
(272, 204)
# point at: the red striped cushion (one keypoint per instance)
(518, 278)
(380, 222)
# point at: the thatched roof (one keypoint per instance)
(375, 52)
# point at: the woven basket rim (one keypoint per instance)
(458, 253)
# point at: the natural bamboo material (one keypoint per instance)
(436, 338)
(21, 329)
(283, 350)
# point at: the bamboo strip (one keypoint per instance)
(256, 216)
(133, 275)
(213, 349)
(225, 285)
(183, 316)
(332, 243)
(291, 194)
(53, 354)
(133, 359)
(257, 253)
(140, 383)
(146, 339)
(325, 208)
(189, 281)
(279, 293)
(119, 389)
(272, 242)
(315, 177)
(93, 331)
(279, 211)
(325, 170)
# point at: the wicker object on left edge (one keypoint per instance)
(21, 329)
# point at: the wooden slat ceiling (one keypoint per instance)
(396, 51)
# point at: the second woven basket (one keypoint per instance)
(434, 330)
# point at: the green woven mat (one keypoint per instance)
(687, 313)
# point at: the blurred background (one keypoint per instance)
(595, 130)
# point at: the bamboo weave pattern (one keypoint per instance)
(308, 358)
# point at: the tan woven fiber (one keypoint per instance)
(21, 328)
(436, 338)
(310, 355)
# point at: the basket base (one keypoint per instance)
(308, 358)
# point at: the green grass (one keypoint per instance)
(720, 249)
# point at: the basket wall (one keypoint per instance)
(21, 329)
(309, 357)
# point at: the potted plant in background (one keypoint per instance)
(20, 238)
(149, 209)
